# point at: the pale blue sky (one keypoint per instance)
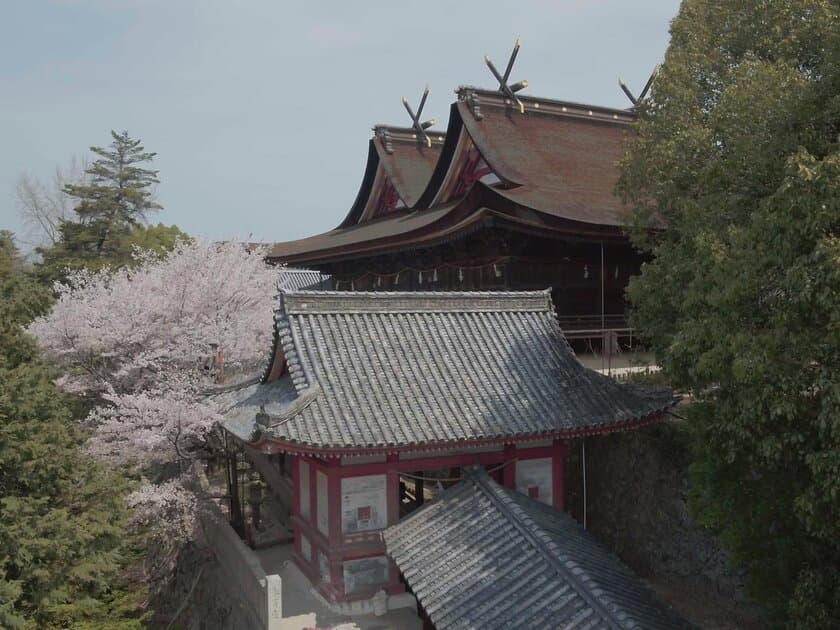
(260, 112)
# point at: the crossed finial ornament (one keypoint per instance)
(508, 90)
(420, 127)
(637, 100)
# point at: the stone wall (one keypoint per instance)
(637, 490)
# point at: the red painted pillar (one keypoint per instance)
(392, 487)
(558, 474)
(313, 493)
(337, 579)
(334, 500)
(509, 471)
(295, 484)
(296, 496)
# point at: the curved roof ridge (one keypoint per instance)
(307, 388)
(450, 143)
(286, 337)
(545, 105)
(352, 216)
(272, 355)
(410, 133)
(384, 160)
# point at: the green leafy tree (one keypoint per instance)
(63, 540)
(736, 155)
(114, 202)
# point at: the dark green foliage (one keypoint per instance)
(111, 213)
(62, 517)
(737, 154)
(21, 300)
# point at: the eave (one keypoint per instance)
(271, 445)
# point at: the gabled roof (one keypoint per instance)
(485, 556)
(559, 158)
(398, 169)
(555, 165)
(387, 371)
(407, 159)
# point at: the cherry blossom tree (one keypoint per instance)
(144, 343)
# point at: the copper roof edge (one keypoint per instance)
(407, 134)
(543, 105)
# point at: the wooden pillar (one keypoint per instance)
(313, 493)
(509, 471)
(237, 520)
(295, 459)
(334, 501)
(392, 486)
(419, 488)
(558, 474)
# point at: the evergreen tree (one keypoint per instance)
(113, 206)
(62, 516)
(737, 156)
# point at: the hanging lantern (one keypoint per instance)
(460, 274)
(435, 276)
(586, 271)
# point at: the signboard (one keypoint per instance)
(365, 574)
(533, 479)
(305, 498)
(322, 492)
(364, 503)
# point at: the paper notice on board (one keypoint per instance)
(364, 503)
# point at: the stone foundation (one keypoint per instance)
(637, 491)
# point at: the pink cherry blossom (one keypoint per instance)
(140, 340)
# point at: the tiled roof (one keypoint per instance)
(291, 279)
(484, 556)
(382, 370)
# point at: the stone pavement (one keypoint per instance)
(302, 610)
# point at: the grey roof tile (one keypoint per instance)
(485, 556)
(293, 279)
(405, 369)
